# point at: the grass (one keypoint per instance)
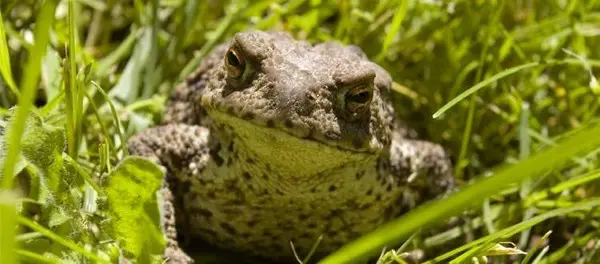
(508, 87)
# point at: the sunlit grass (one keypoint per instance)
(8, 221)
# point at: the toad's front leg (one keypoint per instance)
(423, 167)
(176, 147)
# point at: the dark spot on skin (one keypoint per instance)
(311, 225)
(332, 188)
(227, 227)
(336, 213)
(359, 174)
(332, 233)
(379, 177)
(211, 195)
(378, 197)
(370, 192)
(245, 235)
(250, 160)
(306, 235)
(303, 217)
(352, 204)
(230, 147)
(265, 176)
(389, 187)
(187, 145)
(267, 233)
(288, 123)
(233, 186)
(285, 225)
(279, 192)
(313, 190)
(247, 175)
(232, 210)
(252, 223)
(270, 123)
(365, 206)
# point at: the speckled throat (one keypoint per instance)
(306, 190)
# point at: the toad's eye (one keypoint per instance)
(358, 98)
(235, 63)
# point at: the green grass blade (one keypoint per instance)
(394, 28)
(563, 186)
(392, 232)
(101, 123)
(5, 60)
(541, 255)
(34, 257)
(28, 84)
(534, 249)
(86, 176)
(8, 224)
(67, 243)
(116, 119)
(71, 90)
(482, 84)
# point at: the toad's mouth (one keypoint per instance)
(281, 134)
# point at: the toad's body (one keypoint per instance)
(274, 140)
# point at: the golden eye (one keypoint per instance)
(235, 63)
(358, 98)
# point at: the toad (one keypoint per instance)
(274, 140)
